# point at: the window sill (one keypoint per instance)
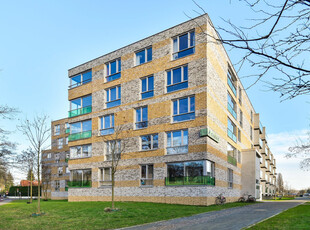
(79, 85)
(147, 150)
(146, 186)
(142, 63)
(177, 122)
(79, 158)
(175, 154)
(141, 128)
(181, 57)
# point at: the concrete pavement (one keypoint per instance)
(5, 201)
(233, 218)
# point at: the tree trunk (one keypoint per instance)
(113, 207)
(39, 211)
(31, 187)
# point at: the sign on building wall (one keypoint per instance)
(210, 133)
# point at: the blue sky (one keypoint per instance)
(41, 40)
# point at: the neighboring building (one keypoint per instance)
(25, 183)
(190, 127)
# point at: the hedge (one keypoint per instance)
(23, 190)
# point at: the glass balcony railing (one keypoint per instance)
(81, 111)
(67, 130)
(79, 184)
(232, 111)
(78, 136)
(189, 180)
(231, 135)
(231, 86)
(231, 160)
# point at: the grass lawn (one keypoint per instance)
(283, 198)
(90, 215)
(294, 218)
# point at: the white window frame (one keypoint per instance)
(118, 87)
(147, 84)
(102, 121)
(188, 42)
(141, 116)
(146, 173)
(152, 142)
(56, 130)
(182, 76)
(57, 185)
(60, 143)
(49, 156)
(104, 182)
(230, 178)
(145, 55)
(81, 151)
(182, 141)
(108, 67)
(188, 106)
(108, 149)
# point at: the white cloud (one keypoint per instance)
(279, 144)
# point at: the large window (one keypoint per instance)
(80, 178)
(113, 96)
(113, 70)
(113, 150)
(56, 130)
(141, 117)
(190, 173)
(80, 151)
(107, 124)
(230, 178)
(183, 45)
(231, 105)
(147, 173)
(231, 82)
(143, 56)
(184, 109)
(80, 130)
(231, 130)
(80, 106)
(80, 79)
(177, 142)
(147, 87)
(106, 176)
(149, 142)
(177, 79)
(231, 154)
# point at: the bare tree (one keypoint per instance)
(116, 147)
(280, 185)
(46, 178)
(301, 150)
(37, 133)
(275, 44)
(26, 161)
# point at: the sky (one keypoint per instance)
(41, 40)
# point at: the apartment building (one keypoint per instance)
(176, 103)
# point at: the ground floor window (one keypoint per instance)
(190, 173)
(230, 178)
(80, 178)
(147, 173)
(57, 185)
(106, 176)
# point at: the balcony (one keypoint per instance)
(232, 111)
(189, 180)
(67, 130)
(78, 136)
(231, 135)
(231, 86)
(81, 111)
(231, 160)
(79, 184)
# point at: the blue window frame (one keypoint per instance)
(113, 70)
(147, 87)
(149, 142)
(141, 117)
(107, 124)
(183, 45)
(231, 130)
(80, 79)
(231, 105)
(177, 78)
(144, 56)
(184, 109)
(177, 142)
(113, 96)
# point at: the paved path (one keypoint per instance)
(2, 202)
(233, 218)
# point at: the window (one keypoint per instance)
(80, 178)
(56, 130)
(113, 70)
(239, 156)
(141, 117)
(241, 118)
(146, 175)
(143, 56)
(251, 116)
(67, 170)
(231, 154)
(80, 106)
(67, 127)
(184, 109)
(183, 45)
(80, 151)
(149, 142)
(240, 96)
(230, 178)
(239, 135)
(251, 133)
(60, 171)
(107, 124)
(177, 142)
(113, 148)
(60, 143)
(80, 130)
(231, 105)
(106, 176)
(147, 87)
(57, 185)
(49, 156)
(113, 96)
(231, 82)
(80, 79)
(66, 140)
(190, 173)
(231, 130)
(177, 79)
